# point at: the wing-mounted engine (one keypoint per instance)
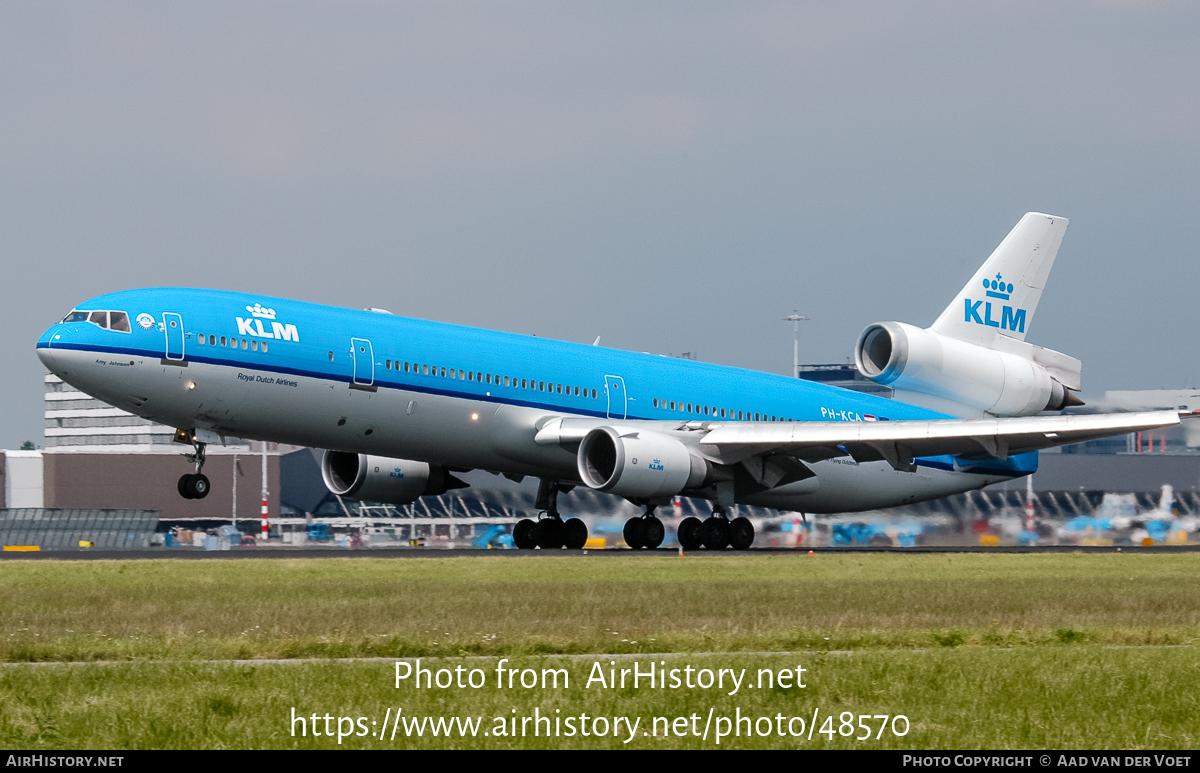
(639, 464)
(382, 479)
(1022, 381)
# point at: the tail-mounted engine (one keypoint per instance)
(1001, 383)
(382, 479)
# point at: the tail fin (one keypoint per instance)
(1004, 293)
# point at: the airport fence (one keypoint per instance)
(71, 529)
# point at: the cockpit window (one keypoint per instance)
(109, 320)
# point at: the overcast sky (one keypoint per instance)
(672, 176)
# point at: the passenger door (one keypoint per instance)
(173, 326)
(614, 386)
(364, 363)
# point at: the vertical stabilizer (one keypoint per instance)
(1003, 295)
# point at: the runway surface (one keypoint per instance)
(335, 552)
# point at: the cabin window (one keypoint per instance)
(672, 405)
(558, 388)
(119, 321)
(452, 372)
(443, 372)
(470, 376)
(222, 340)
(722, 413)
(489, 378)
(264, 346)
(201, 339)
(460, 375)
(593, 394)
(244, 344)
(212, 340)
(542, 386)
(387, 364)
(656, 402)
(254, 345)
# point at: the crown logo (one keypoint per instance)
(258, 311)
(996, 288)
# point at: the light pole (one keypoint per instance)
(795, 319)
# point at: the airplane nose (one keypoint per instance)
(45, 350)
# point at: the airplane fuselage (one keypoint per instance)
(368, 382)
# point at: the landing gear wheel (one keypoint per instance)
(741, 533)
(689, 533)
(634, 533)
(523, 534)
(549, 534)
(198, 487)
(715, 533)
(652, 533)
(575, 534)
(184, 486)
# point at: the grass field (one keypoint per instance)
(978, 651)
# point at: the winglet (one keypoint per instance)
(1003, 295)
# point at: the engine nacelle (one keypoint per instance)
(637, 464)
(382, 479)
(1003, 384)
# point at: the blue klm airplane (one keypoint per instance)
(403, 403)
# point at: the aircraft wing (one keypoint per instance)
(898, 442)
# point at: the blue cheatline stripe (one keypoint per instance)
(931, 462)
(343, 379)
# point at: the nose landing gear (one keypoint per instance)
(195, 485)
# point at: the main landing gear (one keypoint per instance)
(550, 532)
(716, 532)
(195, 485)
(645, 531)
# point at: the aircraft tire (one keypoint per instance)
(653, 533)
(198, 487)
(715, 533)
(741, 534)
(634, 533)
(184, 486)
(523, 534)
(549, 533)
(575, 534)
(689, 533)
